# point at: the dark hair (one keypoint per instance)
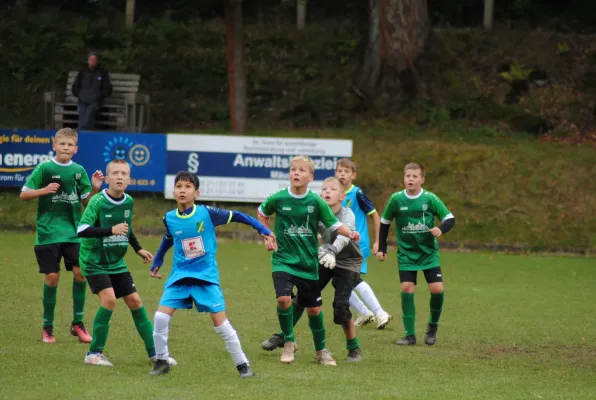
(186, 176)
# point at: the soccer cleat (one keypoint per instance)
(383, 320)
(80, 331)
(245, 370)
(364, 319)
(274, 342)
(354, 355)
(287, 355)
(431, 334)
(324, 357)
(161, 367)
(97, 359)
(171, 361)
(409, 340)
(47, 334)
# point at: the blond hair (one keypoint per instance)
(307, 160)
(67, 132)
(116, 161)
(414, 165)
(346, 163)
(334, 179)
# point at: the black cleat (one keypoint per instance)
(161, 367)
(409, 340)
(354, 355)
(431, 334)
(274, 342)
(245, 370)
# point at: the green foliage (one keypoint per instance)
(517, 72)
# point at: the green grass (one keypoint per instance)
(514, 327)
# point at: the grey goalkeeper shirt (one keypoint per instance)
(349, 255)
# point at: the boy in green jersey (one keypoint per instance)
(106, 228)
(61, 186)
(295, 263)
(414, 211)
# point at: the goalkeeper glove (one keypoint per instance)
(327, 254)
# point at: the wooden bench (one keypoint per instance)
(126, 110)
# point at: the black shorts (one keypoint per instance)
(343, 280)
(308, 291)
(49, 256)
(432, 275)
(122, 283)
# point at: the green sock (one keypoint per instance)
(145, 329)
(436, 306)
(79, 290)
(49, 304)
(101, 327)
(352, 344)
(408, 309)
(317, 326)
(286, 323)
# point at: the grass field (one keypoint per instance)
(514, 327)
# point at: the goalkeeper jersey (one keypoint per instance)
(414, 216)
(350, 256)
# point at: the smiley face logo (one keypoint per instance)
(139, 155)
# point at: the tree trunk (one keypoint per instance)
(236, 76)
(404, 29)
(130, 13)
(489, 8)
(301, 13)
(371, 69)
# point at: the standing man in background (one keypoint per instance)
(92, 86)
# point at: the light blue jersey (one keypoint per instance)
(362, 207)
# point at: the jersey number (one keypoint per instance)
(193, 247)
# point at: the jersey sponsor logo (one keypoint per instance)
(415, 228)
(64, 197)
(115, 240)
(108, 215)
(310, 209)
(299, 231)
(403, 209)
(286, 208)
(193, 247)
(55, 176)
(126, 213)
(200, 227)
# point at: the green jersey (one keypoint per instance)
(296, 222)
(58, 214)
(105, 255)
(414, 216)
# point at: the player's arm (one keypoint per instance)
(385, 223)
(341, 241)
(223, 217)
(329, 219)
(447, 218)
(90, 188)
(367, 206)
(33, 188)
(88, 225)
(141, 252)
(166, 244)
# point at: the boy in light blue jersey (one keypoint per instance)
(194, 278)
(358, 202)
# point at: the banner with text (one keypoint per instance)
(22, 150)
(245, 168)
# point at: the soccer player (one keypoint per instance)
(61, 186)
(296, 263)
(414, 211)
(195, 275)
(106, 227)
(358, 202)
(340, 261)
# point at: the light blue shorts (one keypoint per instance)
(206, 296)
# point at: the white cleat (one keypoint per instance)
(364, 319)
(171, 361)
(97, 359)
(324, 357)
(287, 354)
(383, 320)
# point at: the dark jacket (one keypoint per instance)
(92, 85)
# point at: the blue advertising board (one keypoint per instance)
(22, 150)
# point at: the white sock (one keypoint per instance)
(357, 304)
(161, 327)
(369, 298)
(228, 334)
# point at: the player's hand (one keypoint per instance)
(120, 229)
(97, 180)
(355, 236)
(52, 188)
(381, 256)
(436, 232)
(328, 260)
(154, 272)
(145, 255)
(270, 242)
(375, 247)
